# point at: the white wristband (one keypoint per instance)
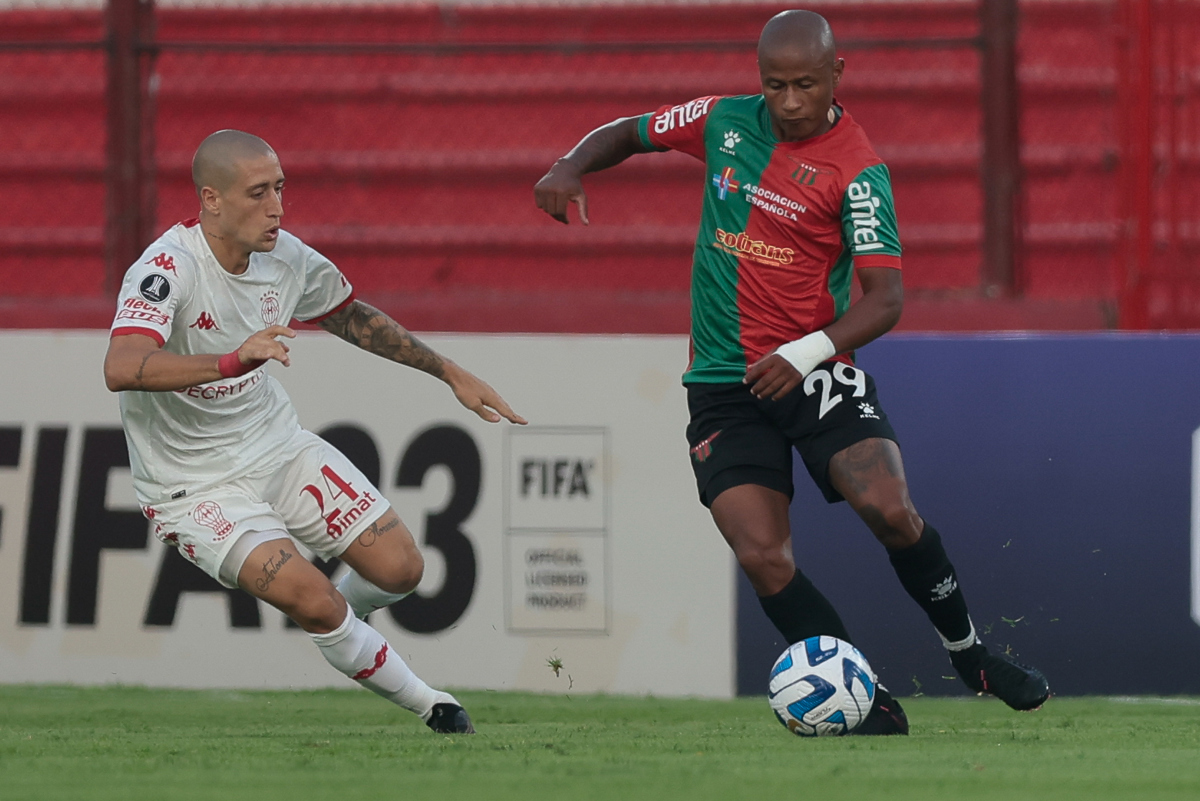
(807, 352)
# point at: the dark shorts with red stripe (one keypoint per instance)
(735, 438)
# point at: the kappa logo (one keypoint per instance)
(732, 138)
(164, 261)
(704, 450)
(724, 182)
(155, 288)
(205, 322)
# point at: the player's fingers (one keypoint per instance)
(581, 202)
(279, 331)
(786, 388)
(483, 411)
(506, 411)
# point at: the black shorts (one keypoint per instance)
(735, 438)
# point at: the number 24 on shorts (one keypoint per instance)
(337, 487)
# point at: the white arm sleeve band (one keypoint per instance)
(807, 352)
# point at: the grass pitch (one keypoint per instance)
(131, 743)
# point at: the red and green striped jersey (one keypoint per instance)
(781, 227)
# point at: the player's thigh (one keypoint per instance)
(386, 555)
(731, 443)
(870, 475)
(325, 501)
(207, 526)
(836, 407)
(275, 572)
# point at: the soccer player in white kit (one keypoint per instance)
(220, 463)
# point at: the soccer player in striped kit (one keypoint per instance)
(220, 462)
(795, 202)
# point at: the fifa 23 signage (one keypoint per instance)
(94, 528)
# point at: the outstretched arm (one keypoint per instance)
(370, 329)
(604, 147)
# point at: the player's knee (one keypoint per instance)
(765, 567)
(405, 575)
(897, 525)
(318, 612)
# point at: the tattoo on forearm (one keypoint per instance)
(142, 369)
(372, 330)
(375, 531)
(271, 568)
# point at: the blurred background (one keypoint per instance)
(1046, 165)
(1045, 153)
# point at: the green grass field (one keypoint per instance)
(131, 743)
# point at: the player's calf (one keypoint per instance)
(361, 653)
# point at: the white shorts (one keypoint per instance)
(318, 497)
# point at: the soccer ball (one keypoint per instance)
(821, 687)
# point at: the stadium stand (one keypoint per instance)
(413, 170)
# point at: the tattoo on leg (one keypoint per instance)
(271, 568)
(862, 463)
(374, 531)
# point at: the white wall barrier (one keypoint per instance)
(578, 538)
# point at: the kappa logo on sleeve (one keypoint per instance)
(164, 261)
(155, 288)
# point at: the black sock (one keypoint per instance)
(927, 575)
(800, 611)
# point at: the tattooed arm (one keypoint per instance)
(370, 329)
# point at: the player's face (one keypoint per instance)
(252, 207)
(798, 89)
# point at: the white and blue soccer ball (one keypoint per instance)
(821, 687)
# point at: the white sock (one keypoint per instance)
(964, 643)
(361, 652)
(363, 596)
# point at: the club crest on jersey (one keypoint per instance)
(806, 174)
(155, 288)
(270, 307)
(724, 182)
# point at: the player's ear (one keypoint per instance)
(210, 200)
(838, 66)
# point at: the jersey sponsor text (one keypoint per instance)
(678, 116)
(863, 205)
(773, 202)
(755, 249)
(219, 391)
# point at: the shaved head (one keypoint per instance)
(215, 162)
(803, 31)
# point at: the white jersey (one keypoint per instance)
(178, 294)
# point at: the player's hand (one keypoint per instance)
(476, 395)
(263, 345)
(772, 377)
(558, 189)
